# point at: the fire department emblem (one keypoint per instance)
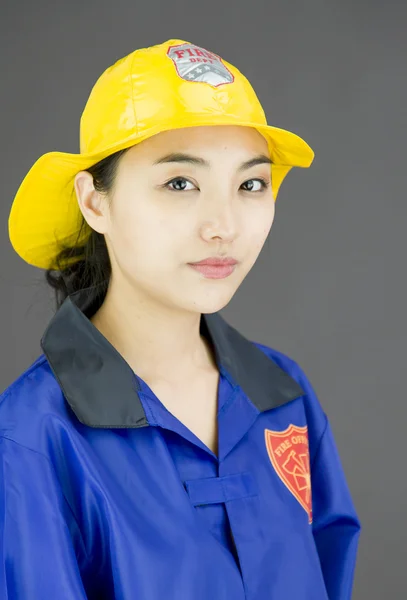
(194, 63)
(289, 453)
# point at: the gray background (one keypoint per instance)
(329, 286)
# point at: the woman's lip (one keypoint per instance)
(216, 262)
(213, 271)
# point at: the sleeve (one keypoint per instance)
(41, 549)
(336, 527)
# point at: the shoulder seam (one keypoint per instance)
(39, 361)
(4, 437)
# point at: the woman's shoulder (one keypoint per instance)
(286, 363)
(292, 367)
(281, 359)
(31, 404)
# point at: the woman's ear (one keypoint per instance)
(92, 204)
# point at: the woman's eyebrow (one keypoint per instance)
(179, 157)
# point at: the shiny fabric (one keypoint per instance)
(150, 512)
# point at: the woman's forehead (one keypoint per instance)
(211, 138)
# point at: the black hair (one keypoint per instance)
(92, 267)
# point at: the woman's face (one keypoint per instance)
(164, 215)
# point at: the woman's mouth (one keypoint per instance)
(213, 271)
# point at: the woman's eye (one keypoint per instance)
(263, 184)
(177, 180)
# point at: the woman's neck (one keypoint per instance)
(155, 343)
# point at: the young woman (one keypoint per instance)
(153, 451)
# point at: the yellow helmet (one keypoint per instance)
(167, 86)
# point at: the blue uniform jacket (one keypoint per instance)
(104, 494)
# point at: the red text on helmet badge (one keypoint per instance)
(194, 63)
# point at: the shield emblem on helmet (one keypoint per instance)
(194, 63)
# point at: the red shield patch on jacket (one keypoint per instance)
(289, 453)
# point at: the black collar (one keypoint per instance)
(102, 389)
